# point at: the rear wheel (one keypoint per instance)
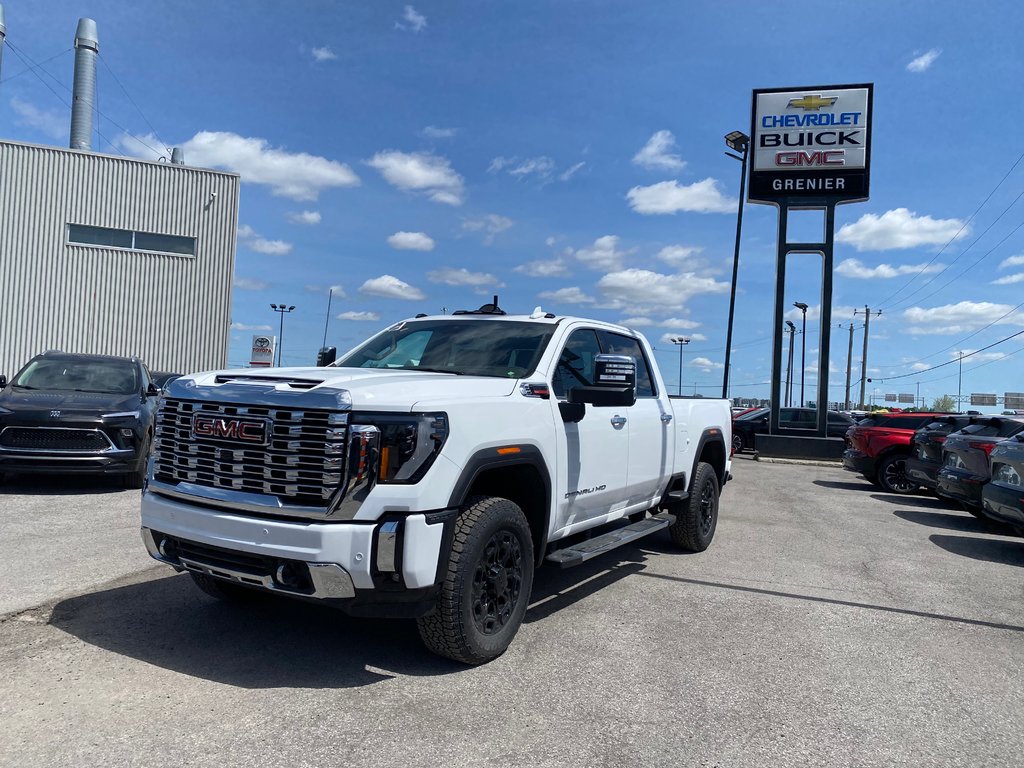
(697, 520)
(737, 443)
(892, 475)
(486, 588)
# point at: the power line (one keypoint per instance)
(129, 97)
(30, 68)
(977, 210)
(950, 362)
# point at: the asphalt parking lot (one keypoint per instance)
(828, 624)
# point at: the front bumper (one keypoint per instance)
(114, 462)
(1003, 504)
(855, 461)
(960, 486)
(922, 472)
(354, 564)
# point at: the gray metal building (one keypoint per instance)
(113, 255)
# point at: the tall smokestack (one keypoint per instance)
(83, 100)
(3, 36)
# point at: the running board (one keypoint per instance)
(591, 548)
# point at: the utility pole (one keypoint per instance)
(918, 400)
(327, 320)
(864, 357)
(849, 367)
(959, 379)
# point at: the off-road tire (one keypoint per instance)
(697, 517)
(892, 475)
(224, 590)
(461, 627)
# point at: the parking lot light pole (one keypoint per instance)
(791, 329)
(739, 142)
(680, 341)
(282, 310)
(803, 351)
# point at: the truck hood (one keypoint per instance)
(368, 389)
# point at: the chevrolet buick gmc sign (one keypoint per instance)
(811, 144)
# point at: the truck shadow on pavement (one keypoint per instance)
(60, 485)
(275, 642)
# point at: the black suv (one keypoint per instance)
(756, 423)
(67, 413)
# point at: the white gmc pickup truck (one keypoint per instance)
(429, 471)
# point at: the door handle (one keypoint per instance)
(666, 418)
(618, 421)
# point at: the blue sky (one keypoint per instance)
(570, 154)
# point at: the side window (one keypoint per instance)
(576, 363)
(614, 344)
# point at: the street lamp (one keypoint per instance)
(738, 142)
(791, 329)
(803, 354)
(680, 341)
(282, 310)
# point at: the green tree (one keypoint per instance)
(944, 404)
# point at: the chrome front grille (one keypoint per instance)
(302, 463)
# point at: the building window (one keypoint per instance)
(80, 234)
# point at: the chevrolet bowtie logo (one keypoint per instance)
(812, 102)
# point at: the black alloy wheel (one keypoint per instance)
(892, 475)
(737, 442)
(497, 582)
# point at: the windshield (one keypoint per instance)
(112, 377)
(470, 347)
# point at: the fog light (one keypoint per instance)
(126, 433)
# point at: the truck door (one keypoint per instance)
(649, 426)
(593, 453)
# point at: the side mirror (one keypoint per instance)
(3, 381)
(152, 390)
(614, 383)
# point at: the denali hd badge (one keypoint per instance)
(210, 426)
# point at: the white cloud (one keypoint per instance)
(920, 367)
(962, 317)
(925, 60)
(411, 241)
(422, 172)
(309, 218)
(604, 254)
(541, 167)
(337, 290)
(414, 20)
(681, 256)
(296, 175)
(492, 225)
(541, 268)
(390, 287)
(672, 197)
(705, 364)
(249, 238)
(47, 121)
(899, 228)
(571, 295)
(250, 284)
(1013, 261)
(679, 322)
(641, 289)
(463, 277)
(433, 132)
(571, 171)
(977, 357)
(358, 316)
(255, 328)
(636, 322)
(657, 153)
(324, 54)
(856, 269)
(1010, 279)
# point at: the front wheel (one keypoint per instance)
(696, 522)
(487, 583)
(892, 475)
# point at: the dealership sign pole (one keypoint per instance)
(810, 150)
(262, 355)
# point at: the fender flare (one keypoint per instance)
(707, 437)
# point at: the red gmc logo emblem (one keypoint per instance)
(213, 427)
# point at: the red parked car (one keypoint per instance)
(879, 445)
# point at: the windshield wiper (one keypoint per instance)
(435, 370)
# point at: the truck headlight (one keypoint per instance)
(409, 443)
